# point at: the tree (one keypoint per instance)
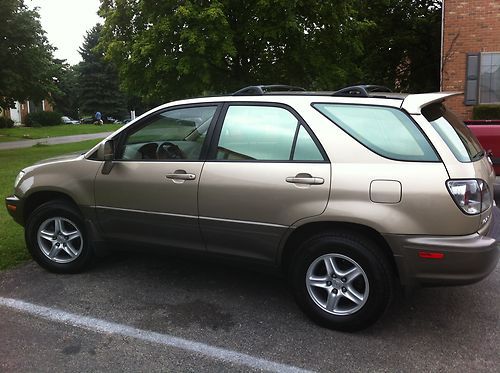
(66, 99)
(26, 63)
(98, 80)
(403, 46)
(171, 49)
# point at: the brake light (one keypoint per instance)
(473, 196)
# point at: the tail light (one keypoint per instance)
(473, 196)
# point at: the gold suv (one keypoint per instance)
(347, 192)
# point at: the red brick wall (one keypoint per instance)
(24, 111)
(469, 27)
(47, 105)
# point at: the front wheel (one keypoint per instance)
(56, 238)
(341, 281)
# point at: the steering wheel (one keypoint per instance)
(168, 150)
(148, 151)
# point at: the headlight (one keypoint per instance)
(18, 178)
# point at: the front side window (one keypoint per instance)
(489, 78)
(386, 131)
(176, 134)
(265, 133)
(459, 138)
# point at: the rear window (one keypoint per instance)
(386, 131)
(459, 138)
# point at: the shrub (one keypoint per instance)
(43, 118)
(486, 112)
(6, 122)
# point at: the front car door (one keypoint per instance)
(265, 171)
(150, 195)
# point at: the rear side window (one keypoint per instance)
(264, 133)
(386, 131)
(459, 138)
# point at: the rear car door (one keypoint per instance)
(151, 193)
(266, 170)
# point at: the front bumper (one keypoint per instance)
(459, 260)
(14, 206)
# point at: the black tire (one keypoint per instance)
(346, 250)
(70, 218)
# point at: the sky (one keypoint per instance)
(66, 22)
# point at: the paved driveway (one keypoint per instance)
(134, 312)
(52, 140)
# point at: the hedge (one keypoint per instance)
(486, 112)
(43, 118)
(6, 122)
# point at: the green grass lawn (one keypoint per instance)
(12, 248)
(28, 133)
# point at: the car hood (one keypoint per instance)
(60, 158)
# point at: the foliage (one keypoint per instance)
(12, 247)
(66, 99)
(486, 112)
(402, 47)
(98, 80)
(43, 118)
(26, 63)
(6, 122)
(171, 49)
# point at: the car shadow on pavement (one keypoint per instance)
(254, 311)
(424, 310)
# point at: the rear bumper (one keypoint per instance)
(459, 260)
(14, 206)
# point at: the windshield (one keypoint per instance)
(459, 138)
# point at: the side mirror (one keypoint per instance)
(108, 155)
(109, 151)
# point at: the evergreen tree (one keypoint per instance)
(66, 99)
(98, 80)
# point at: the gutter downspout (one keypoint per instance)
(442, 48)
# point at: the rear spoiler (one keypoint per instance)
(413, 104)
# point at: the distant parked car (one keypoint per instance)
(111, 120)
(87, 120)
(68, 120)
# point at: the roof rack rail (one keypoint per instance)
(362, 90)
(259, 90)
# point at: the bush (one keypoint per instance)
(486, 112)
(43, 118)
(6, 122)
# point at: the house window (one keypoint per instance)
(483, 78)
(489, 78)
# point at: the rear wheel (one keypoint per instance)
(56, 238)
(341, 281)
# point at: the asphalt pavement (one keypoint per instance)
(52, 140)
(152, 312)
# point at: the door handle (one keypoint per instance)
(303, 178)
(180, 175)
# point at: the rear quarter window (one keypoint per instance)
(459, 138)
(386, 131)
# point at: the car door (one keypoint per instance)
(266, 170)
(151, 193)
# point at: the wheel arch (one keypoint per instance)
(293, 241)
(40, 197)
